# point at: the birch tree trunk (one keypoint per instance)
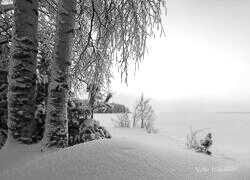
(22, 72)
(56, 127)
(4, 59)
(142, 123)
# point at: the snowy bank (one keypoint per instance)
(122, 158)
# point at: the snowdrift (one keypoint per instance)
(123, 159)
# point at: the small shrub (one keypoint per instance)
(122, 120)
(150, 123)
(144, 113)
(193, 138)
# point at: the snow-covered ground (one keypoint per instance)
(230, 130)
(131, 154)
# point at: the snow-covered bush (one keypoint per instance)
(193, 138)
(121, 120)
(143, 112)
(149, 124)
(82, 128)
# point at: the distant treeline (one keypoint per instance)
(115, 108)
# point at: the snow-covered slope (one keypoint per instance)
(121, 159)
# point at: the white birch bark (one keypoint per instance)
(56, 125)
(22, 72)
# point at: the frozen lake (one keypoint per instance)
(231, 131)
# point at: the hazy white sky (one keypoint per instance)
(205, 55)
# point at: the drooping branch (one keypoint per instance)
(119, 29)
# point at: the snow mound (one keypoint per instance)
(122, 159)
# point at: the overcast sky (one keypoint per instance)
(203, 62)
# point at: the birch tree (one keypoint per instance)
(4, 58)
(143, 112)
(5, 35)
(22, 72)
(108, 31)
(56, 125)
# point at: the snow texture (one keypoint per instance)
(120, 158)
